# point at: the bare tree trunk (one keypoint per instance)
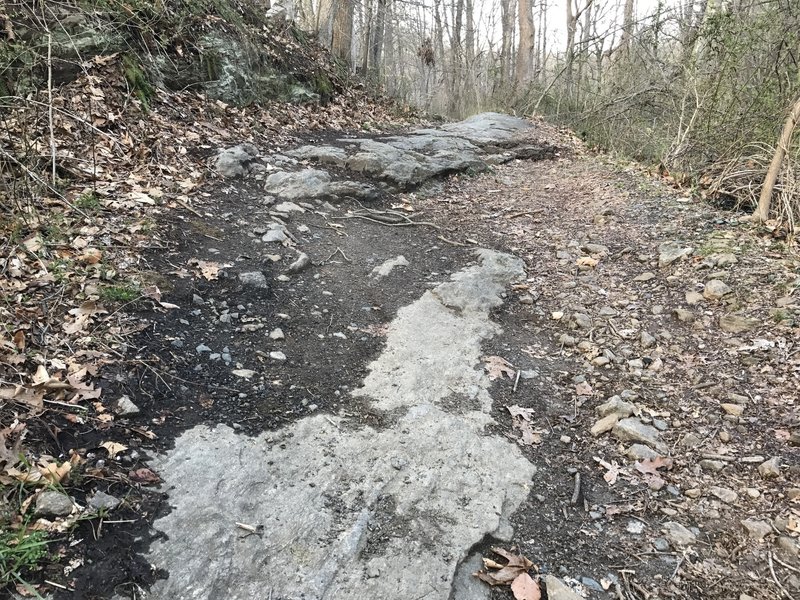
(376, 50)
(572, 26)
(343, 31)
(507, 22)
(762, 211)
(627, 26)
(526, 48)
(365, 48)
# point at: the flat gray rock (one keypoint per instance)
(53, 504)
(310, 184)
(485, 128)
(326, 155)
(323, 491)
(633, 430)
(236, 161)
(299, 185)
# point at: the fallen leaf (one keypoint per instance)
(524, 587)
(55, 473)
(497, 366)
(515, 566)
(144, 476)
(41, 376)
(650, 466)
(113, 448)
(518, 411)
(587, 261)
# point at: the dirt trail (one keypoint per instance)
(534, 357)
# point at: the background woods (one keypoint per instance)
(699, 87)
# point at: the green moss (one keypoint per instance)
(119, 293)
(138, 81)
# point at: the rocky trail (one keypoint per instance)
(378, 366)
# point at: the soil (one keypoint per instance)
(334, 324)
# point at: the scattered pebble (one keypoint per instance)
(125, 407)
(51, 503)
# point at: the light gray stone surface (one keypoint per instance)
(323, 488)
(236, 161)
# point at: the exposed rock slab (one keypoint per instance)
(329, 497)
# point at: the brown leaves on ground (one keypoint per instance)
(497, 367)
(513, 573)
(522, 421)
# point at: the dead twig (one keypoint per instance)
(576, 492)
(775, 578)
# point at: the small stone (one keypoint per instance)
(567, 340)
(691, 440)
(633, 430)
(793, 493)
(725, 494)
(677, 534)
(582, 320)
(788, 545)
(592, 584)
(756, 529)
(253, 278)
(244, 373)
(53, 504)
(601, 361)
(617, 406)
(202, 348)
(724, 437)
(280, 356)
(556, 590)
(660, 544)
(565, 439)
(737, 323)
(753, 493)
(641, 452)
(725, 259)
(288, 207)
(770, 468)
(125, 407)
(103, 501)
(669, 252)
(732, 409)
(683, 315)
(198, 300)
(526, 299)
(660, 425)
(693, 493)
(302, 263)
(693, 298)
(276, 334)
(177, 343)
(714, 466)
(605, 424)
(647, 340)
(595, 249)
(275, 235)
(647, 276)
(283, 278)
(716, 289)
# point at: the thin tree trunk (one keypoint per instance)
(526, 47)
(343, 31)
(765, 200)
(507, 22)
